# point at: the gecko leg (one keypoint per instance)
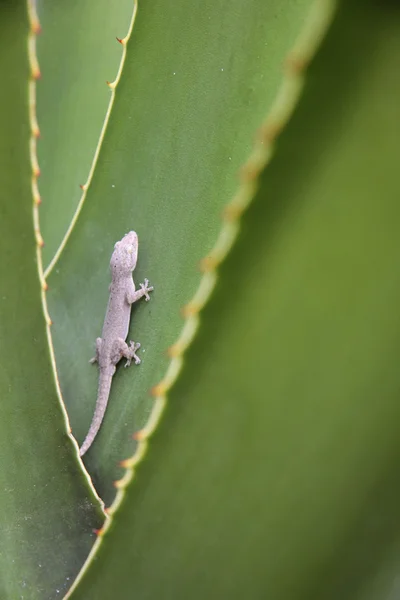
(121, 349)
(131, 354)
(96, 356)
(145, 288)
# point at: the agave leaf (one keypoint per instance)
(47, 509)
(275, 471)
(186, 110)
(77, 53)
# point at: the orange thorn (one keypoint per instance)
(173, 351)
(295, 64)
(232, 213)
(82, 186)
(35, 27)
(98, 531)
(249, 172)
(36, 75)
(119, 40)
(270, 131)
(157, 390)
(207, 264)
(38, 200)
(138, 435)
(189, 310)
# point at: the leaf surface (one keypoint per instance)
(274, 472)
(186, 111)
(47, 508)
(77, 53)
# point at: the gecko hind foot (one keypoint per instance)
(131, 354)
(95, 358)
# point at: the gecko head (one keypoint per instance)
(125, 253)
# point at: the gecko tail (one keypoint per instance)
(101, 405)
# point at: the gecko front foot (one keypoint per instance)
(146, 288)
(131, 354)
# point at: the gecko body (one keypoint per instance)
(111, 347)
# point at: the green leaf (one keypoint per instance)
(274, 472)
(186, 110)
(47, 509)
(77, 53)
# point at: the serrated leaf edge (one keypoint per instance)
(113, 86)
(297, 60)
(34, 31)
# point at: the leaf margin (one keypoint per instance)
(34, 31)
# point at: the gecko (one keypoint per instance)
(111, 347)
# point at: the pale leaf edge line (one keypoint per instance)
(307, 43)
(34, 30)
(113, 86)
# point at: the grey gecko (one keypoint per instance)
(111, 347)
